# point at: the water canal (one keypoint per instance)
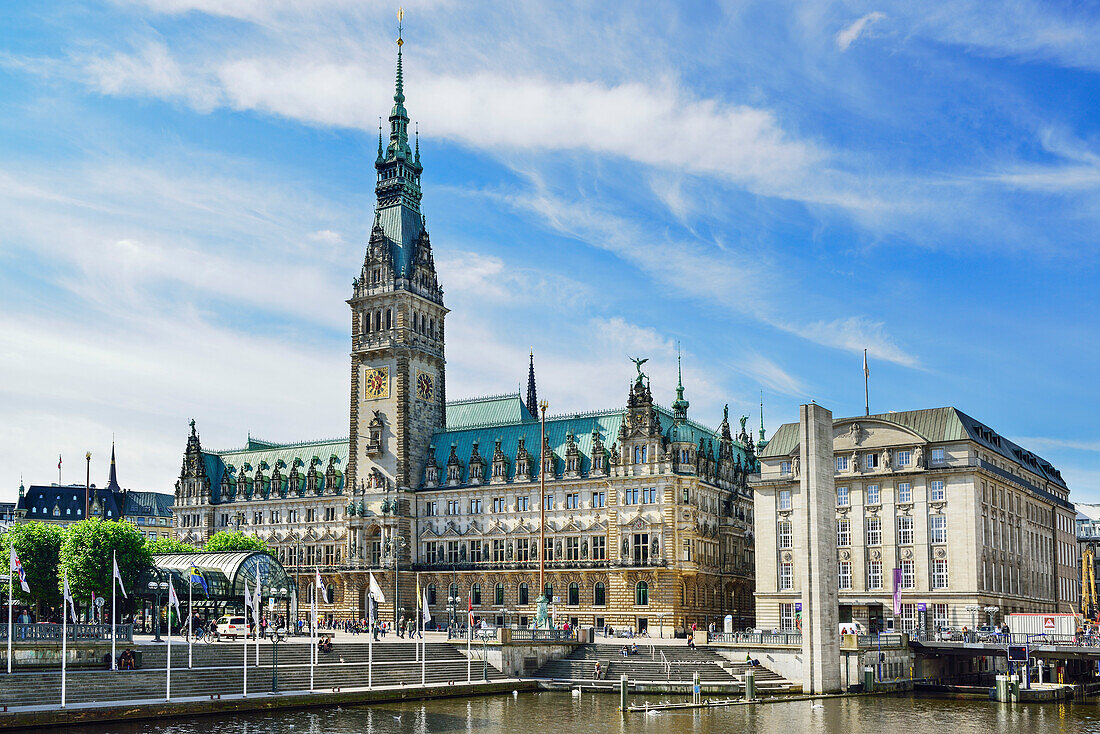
(561, 713)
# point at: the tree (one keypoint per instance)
(235, 540)
(87, 551)
(169, 545)
(38, 545)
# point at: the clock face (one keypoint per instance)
(425, 386)
(377, 383)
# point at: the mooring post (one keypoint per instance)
(622, 693)
(750, 685)
(696, 691)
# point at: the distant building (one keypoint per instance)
(964, 516)
(64, 504)
(7, 515)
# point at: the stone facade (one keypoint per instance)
(649, 515)
(968, 517)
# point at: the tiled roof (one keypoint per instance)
(935, 425)
(155, 504)
(402, 226)
(39, 502)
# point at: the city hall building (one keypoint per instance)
(961, 517)
(648, 513)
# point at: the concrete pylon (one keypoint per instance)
(818, 564)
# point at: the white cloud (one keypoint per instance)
(854, 334)
(1058, 443)
(848, 35)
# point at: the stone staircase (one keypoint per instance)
(658, 664)
(217, 670)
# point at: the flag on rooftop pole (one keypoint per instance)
(866, 395)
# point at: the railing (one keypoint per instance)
(529, 635)
(48, 632)
(1004, 639)
(789, 639)
(883, 640)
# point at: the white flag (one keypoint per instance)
(257, 602)
(15, 568)
(866, 372)
(424, 606)
(320, 583)
(68, 599)
(173, 600)
(118, 578)
(247, 597)
(376, 590)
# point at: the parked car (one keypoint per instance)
(232, 627)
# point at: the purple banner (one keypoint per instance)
(897, 591)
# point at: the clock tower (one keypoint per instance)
(397, 336)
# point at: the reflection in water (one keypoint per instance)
(558, 713)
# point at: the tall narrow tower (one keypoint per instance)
(397, 313)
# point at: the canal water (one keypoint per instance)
(562, 713)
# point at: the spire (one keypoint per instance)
(381, 152)
(680, 405)
(761, 417)
(532, 395)
(112, 480)
(417, 156)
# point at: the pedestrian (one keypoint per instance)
(597, 672)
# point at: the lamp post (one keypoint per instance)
(393, 550)
(452, 605)
(158, 588)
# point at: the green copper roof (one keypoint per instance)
(495, 409)
(257, 452)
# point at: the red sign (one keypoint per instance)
(1048, 623)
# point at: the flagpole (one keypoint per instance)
(11, 590)
(64, 643)
(190, 617)
(168, 687)
(370, 640)
(866, 393)
(423, 655)
(257, 606)
(244, 665)
(114, 565)
(312, 634)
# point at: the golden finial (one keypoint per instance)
(400, 17)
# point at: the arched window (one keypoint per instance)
(366, 323)
(574, 594)
(378, 321)
(431, 594)
(524, 599)
(498, 595)
(475, 595)
(641, 594)
(599, 594)
(431, 327)
(637, 454)
(389, 318)
(548, 592)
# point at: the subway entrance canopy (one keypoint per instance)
(225, 575)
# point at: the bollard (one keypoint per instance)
(696, 691)
(750, 685)
(868, 679)
(622, 693)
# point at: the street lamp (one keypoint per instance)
(158, 588)
(452, 605)
(277, 636)
(393, 555)
(991, 611)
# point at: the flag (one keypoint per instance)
(897, 591)
(247, 597)
(15, 568)
(173, 600)
(470, 610)
(866, 372)
(196, 578)
(320, 583)
(257, 600)
(376, 590)
(68, 599)
(59, 462)
(118, 578)
(427, 614)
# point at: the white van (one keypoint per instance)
(232, 627)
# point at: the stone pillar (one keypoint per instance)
(817, 562)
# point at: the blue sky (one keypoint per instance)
(186, 186)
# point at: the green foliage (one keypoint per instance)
(169, 545)
(38, 545)
(235, 540)
(87, 550)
